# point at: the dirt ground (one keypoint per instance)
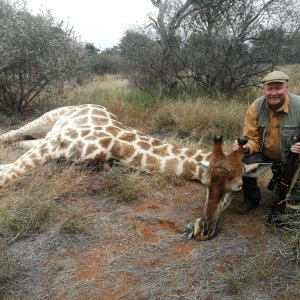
(136, 250)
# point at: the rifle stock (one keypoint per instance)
(285, 182)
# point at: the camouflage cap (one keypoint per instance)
(275, 76)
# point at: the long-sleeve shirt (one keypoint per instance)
(271, 147)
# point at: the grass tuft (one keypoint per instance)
(28, 206)
(123, 183)
(24, 220)
(253, 272)
(74, 223)
(7, 264)
(291, 245)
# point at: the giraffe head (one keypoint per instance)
(222, 178)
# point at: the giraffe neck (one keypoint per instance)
(152, 155)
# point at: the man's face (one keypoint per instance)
(275, 94)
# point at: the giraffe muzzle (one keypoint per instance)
(205, 230)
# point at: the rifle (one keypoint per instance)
(284, 184)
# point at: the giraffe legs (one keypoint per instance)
(3, 166)
(25, 164)
(40, 126)
(28, 144)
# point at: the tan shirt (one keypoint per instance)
(271, 146)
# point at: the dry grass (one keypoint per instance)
(253, 272)
(7, 263)
(185, 118)
(74, 222)
(190, 119)
(46, 199)
(127, 185)
(28, 206)
(290, 246)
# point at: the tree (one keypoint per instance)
(91, 49)
(36, 54)
(215, 45)
(103, 62)
(140, 59)
(239, 42)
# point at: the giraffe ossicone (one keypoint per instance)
(90, 133)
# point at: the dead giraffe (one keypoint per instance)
(91, 133)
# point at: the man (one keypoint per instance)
(271, 123)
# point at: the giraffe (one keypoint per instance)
(90, 133)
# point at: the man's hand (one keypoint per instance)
(236, 147)
(296, 148)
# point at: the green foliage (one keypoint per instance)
(91, 49)
(104, 62)
(21, 221)
(37, 54)
(211, 45)
(139, 56)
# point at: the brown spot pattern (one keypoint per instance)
(100, 134)
(105, 142)
(198, 157)
(116, 150)
(100, 157)
(65, 144)
(171, 165)
(99, 112)
(32, 156)
(189, 168)
(91, 138)
(80, 121)
(153, 163)
(137, 160)
(79, 147)
(156, 142)
(161, 151)
(79, 113)
(128, 137)
(71, 133)
(99, 120)
(122, 150)
(98, 128)
(85, 132)
(113, 130)
(190, 152)
(127, 150)
(144, 145)
(44, 150)
(175, 150)
(90, 149)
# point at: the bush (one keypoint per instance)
(37, 54)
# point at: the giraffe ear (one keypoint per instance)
(204, 164)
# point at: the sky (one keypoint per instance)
(101, 22)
